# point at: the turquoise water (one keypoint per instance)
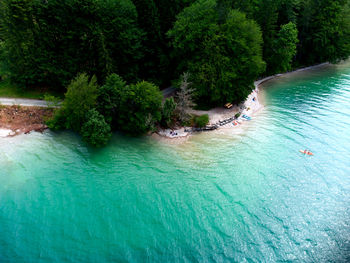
(224, 196)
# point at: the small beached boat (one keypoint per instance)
(246, 117)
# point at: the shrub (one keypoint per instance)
(52, 101)
(168, 111)
(139, 108)
(80, 98)
(201, 121)
(95, 130)
(58, 121)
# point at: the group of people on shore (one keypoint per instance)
(173, 133)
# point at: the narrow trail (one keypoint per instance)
(23, 102)
(41, 103)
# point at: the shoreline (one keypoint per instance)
(19, 119)
(15, 120)
(220, 115)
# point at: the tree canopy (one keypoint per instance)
(95, 111)
(49, 42)
(45, 44)
(223, 55)
(109, 97)
(80, 98)
(139, 107)
(95, 130)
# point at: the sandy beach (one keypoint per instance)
(250, 108)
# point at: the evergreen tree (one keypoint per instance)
(184, 96)
(17, 33)
(323, 29)
(49, 42)
(284, 49)
(152, 43)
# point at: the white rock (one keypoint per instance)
(5, 132)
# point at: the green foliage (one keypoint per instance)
(168, 109)
(108, 97)
(285, 49)
(16, 25)
(201, 121)
(120, 39)
(95, 130)
(223, 57)
(133, 108)
(139, 108)
(52, 101)
(148, 20)
(9, 89)
(249, 7)
(81, 97)
(58, 121)
(266, 16)
(3, 66)
(168, 10)
(44, 44)
(344, 38)
(325, 32)
(49, 42)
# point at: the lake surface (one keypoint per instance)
(224, 196)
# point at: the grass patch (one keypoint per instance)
(8, 90)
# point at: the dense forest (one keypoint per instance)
(223, 45)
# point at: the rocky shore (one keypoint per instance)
(16, 120)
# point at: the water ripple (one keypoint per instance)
(247, 197)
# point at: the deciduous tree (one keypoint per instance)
(223, 57)
(139, 108)
(95, 130)
(81, 97)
